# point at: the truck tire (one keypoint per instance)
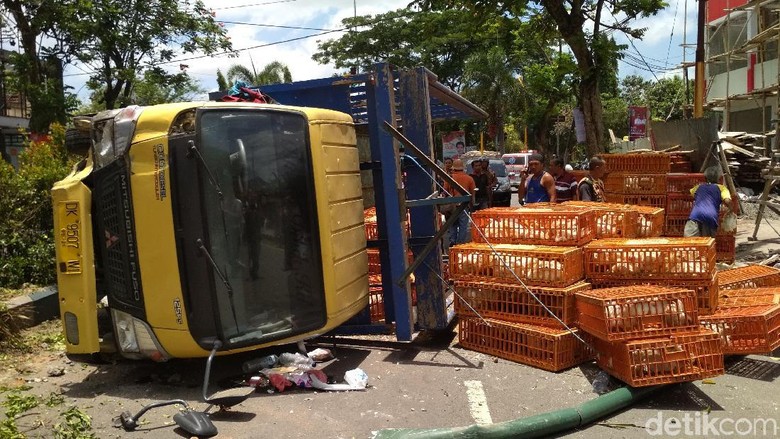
(77, 141)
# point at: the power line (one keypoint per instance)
(274, 26)
(674, 22)
(254, 4)
(174, 61)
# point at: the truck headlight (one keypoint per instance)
(135, 338)
(114, 133)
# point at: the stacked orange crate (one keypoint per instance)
(749, 297)
(623, 220)
(749, 276)
(746, 329)
(503, 317)
(675, 262)
(649, 335)
(679, 201)
(681, 357)
(375, 292)
(678, 208)
(638, 179)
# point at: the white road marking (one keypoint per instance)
(477, 402)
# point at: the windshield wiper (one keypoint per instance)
(224, 280)
(193, 150)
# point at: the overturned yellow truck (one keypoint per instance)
(193, 222)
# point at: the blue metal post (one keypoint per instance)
(416, 117)
(390, 208)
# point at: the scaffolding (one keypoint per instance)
(750, 36)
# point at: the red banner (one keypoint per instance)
(637, 122)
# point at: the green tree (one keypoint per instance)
(120, 38)
(581, 25)
(37, 68)
(26, 216)
(438, 40)
(489, 82)
(274, 72)
(222, 83)
(158, 87)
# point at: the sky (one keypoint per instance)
(660, 48)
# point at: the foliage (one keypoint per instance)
(26, 216)
(17, 403)
(54, 399)
(158, 87)
(616, 115)
(440, 40)
(222, 83)
(78, 425)
(665, 97)
(120, 38)
(274, 72)
(581, 25)
(490, 84)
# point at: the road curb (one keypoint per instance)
(34, 308)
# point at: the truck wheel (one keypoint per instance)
(77, 141)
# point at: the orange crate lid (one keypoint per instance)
(533, 264)
(680, 357)
(750, 276)
(539, 346)
(513, 303)
(747, 329)
(542, 226)
(650, 258)
(749, 297)
(627, 312)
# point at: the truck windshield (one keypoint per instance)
(263, 232)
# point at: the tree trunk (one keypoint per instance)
(570, 23)
(594, 114)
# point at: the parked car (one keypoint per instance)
(516, 163)
(502, 191)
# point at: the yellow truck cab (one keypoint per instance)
(192, 222)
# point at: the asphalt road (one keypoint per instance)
(417, 385)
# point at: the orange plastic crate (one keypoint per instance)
(539, 346)
(623, 313)
(675, 225)
(651, 163)
(634, 183)
(681, 167)
(637, 200)
(747, 329)
(679, 204)
(706, 290)
(370, 222)
(726, 248)
(675, 358)
(375, 263)
(650, 221)
(534, 226)
(579, 174)
(376, 306)
(612, 220)
(513, 303)
(749, 297)
(683, 183)
(534, 265)
(750, 276)
(650, 258)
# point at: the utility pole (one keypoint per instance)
(698, 91)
